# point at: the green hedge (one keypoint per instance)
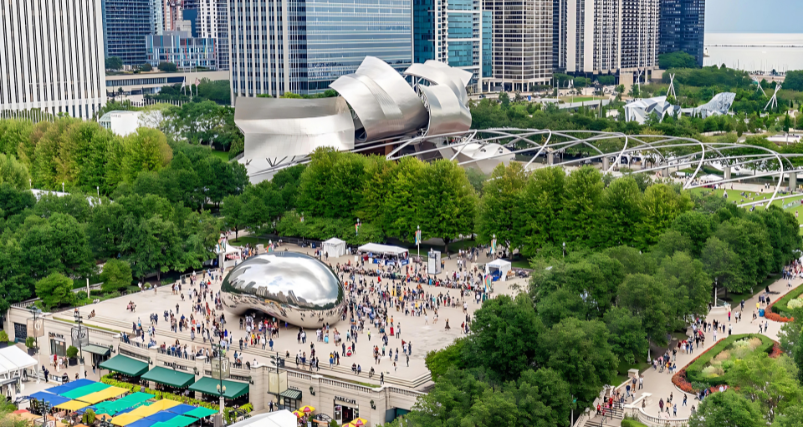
(627, 422)
(780, 306)
(694, 372)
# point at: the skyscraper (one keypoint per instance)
(522, 43)
(683, 27)
(55, 62)
(126, 23)
(302, 46)
(606, 36)
(455, 32)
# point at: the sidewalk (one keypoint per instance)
(660, 384)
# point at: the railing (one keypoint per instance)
(660, 422)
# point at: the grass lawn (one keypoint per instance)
(736, 195)
(569, 99)
(223, 155)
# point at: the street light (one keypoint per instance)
(221, 389)
(62, 187)
(34, 310)
(79, 320)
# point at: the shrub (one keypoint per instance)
(72, 352)
(89, 417)
(3, 336)
(632, 422)
(694, 371)
(780, 306)
(30, 342)
(712, 371)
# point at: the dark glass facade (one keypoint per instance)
(682, 27)
(126, 23)
(423, 30)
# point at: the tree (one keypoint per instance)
(330, 185)
(538, 210)
(770, 382)
(440, 361)
(661, 205)
(727, 409)
(13, 172)
(114, 63)
(116, 275)
(146, 150)
(579, 352)
(167, 67)
(498, 205)
(14, 200)
(628, 339)
(677, 59)
(688, 283)
(496, 341)
(233, 213)
(146, 67)
(648, 298)
(580, 210)
(790, 417)
(448, 204)
(54, 290)
(622, 211)
(154, 245)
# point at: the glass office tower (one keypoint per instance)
(126, 23)
(302, 46)
(683, 27)
(455, 32)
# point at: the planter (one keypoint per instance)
(32, 351)
(72, 361)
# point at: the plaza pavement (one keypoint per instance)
(112, 314)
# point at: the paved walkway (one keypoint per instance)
(660, 384)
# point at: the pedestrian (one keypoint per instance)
(685, 398)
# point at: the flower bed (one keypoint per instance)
(693, 371)
(778, 310)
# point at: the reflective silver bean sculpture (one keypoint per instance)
(290, 286)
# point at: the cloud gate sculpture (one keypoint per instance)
(375, 104)
(289, 286)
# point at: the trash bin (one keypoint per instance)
(761, 312)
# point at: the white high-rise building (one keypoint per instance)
(51, 57)
(606, 36)
(522, 44)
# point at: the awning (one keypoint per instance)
(125, 419)
(85, 390)
(376, 248)
(103, 395)
(124, 403)
(162, 416)
(96, 349)
(145, 422)
(169, 377)
(125, 365)
(72, 385)
(201, 412)
(146, 411)
(291, 394)
(52, 399)
(13, 359)
(182, 409)
(178, 421)
(72, 405)
(208, 386)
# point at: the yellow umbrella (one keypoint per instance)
(358, 422)
(298, 414)
(306, 409)
(72, 405)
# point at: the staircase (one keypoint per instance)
(613, 417)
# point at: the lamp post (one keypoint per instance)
(62, 187)
(98, 187)
(34, 311)
(564, 249)
(79, 320)
(418, 240)
(45, 409)
(221, 389)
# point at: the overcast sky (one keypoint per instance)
(753, 16)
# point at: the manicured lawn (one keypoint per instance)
(735, 195)
(695, 372)
(569, 99)
(735, 298)
(623, 367)
(780, 306)
(223, 155)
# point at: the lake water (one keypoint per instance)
(766, 51)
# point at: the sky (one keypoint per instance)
(753, 16)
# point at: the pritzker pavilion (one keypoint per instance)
(376, 108)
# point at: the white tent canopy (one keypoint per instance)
(281, 418)
(376, 248)
(13, 361)
(498, 264)
(334, 247)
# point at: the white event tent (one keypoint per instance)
(499, 264)
(334, 247)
